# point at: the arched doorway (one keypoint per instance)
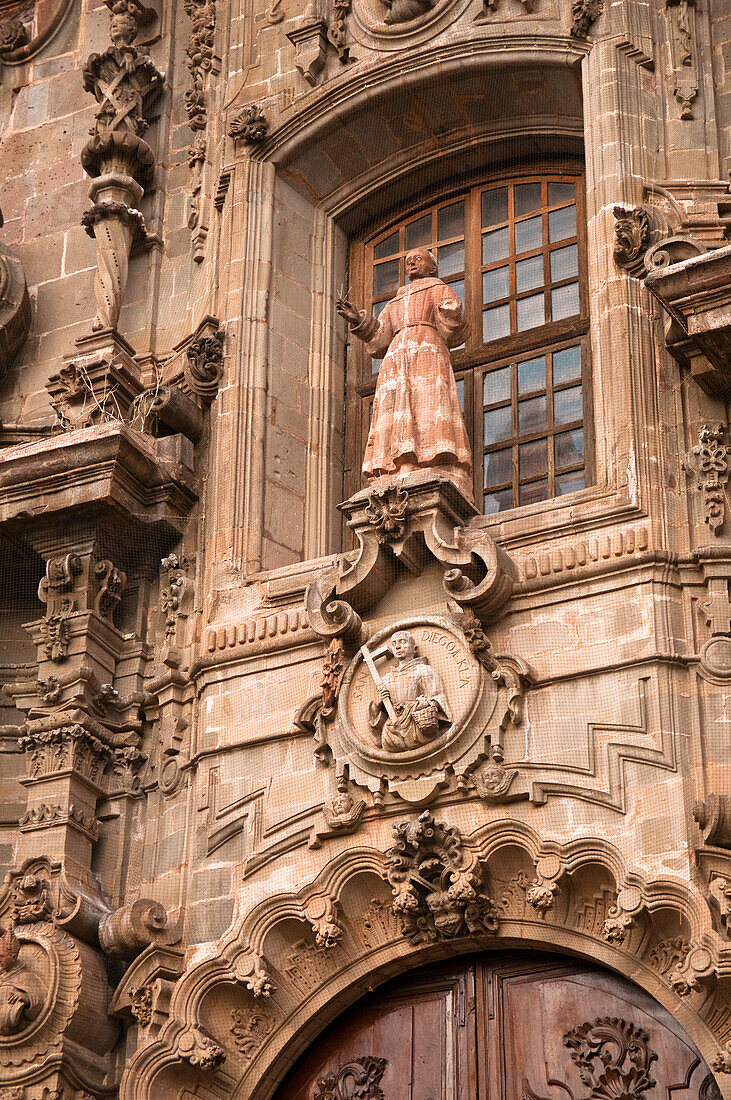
(503, 1026)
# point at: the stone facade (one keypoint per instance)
(207, 857)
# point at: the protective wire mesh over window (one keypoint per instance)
(514, 253)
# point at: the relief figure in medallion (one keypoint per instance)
(417, 423)
(413, 708)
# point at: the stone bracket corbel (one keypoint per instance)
(400, 526)
(128, 930)
(622, 915)
(310, 41)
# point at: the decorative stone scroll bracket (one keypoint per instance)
(693, 286)
(133, 927)
(399, 527)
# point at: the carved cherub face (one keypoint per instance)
(420, 263)
(403, 645)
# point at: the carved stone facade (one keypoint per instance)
(272, 732)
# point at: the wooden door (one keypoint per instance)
(509, 1027)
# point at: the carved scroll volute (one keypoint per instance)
(613, 1057)
(356, 1080)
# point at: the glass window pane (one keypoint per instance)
(495, 284)
(570, 483)
(531, 415)
(498, 502)
(568, 406)
(528, 234)
(385, 277)
(450, 221)
(451, 259)
(457, 286)
(561, 192)
(495, 245)
(418, 233)
(378, 308)
(531, 312)
(532, 375)
(533, 491)
(494, 206)
(533, 458)
(496, 386)
(569, 448)
(498, 467)
(495, 323)
(529, 273)
(566, 365)
(527, 197)
(565, 302)
(562, 223)
(386, 247)
(565, 263)
(497, 425)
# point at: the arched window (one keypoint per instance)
(514, 252)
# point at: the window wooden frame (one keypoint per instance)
(471, 361)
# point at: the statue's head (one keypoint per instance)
(403, 645)
(420, 263)
(123, 25)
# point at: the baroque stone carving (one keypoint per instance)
(15, 314)
(437, 885)
(125, 82)
(249, 125)
(613, 1057)
(250, 969)
(403, 11)
(412, 709)
(632, 235)
(197, 1048)
(172, 596)
(668, 954)
(129, 929)
(203, 368)
(722, 1062)
(583, 14)
(707, 462)
(386, 512)
(696, 968)
(199, 54)
(249, 1030)
(356, 1080)
(321, 913)
(622, 915)
(681, 19)
(141, 1006)
(414, 334)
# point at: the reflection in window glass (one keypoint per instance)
(496, 386)
(498, 467)
(531, 415)
(496, 323)
(529, 274)
(498, 502)
(567, 405)
(418, 233)
(495, 284)
(457, 286)
(566, 365)
(494, 206)
(497, 425)
(570, 483)
(451, 259)
(387, 247)
(562, 223)
(495, 245)
(569, 448)
(565, 263)
(385, 277)
(533, 491)
(450, 221)
(531, 312)
(532, 375)
(527, 197)
(560, 192)
(533, 458)
(528, 235)
(565, 301)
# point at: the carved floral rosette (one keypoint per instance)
(471, 696)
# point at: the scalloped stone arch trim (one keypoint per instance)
(299, 959)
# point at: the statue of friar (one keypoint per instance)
(412, 709)
(417, 423)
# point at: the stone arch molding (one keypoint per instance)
(247, 1007)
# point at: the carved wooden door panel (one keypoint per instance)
(414, 1041)
(520, 1027)
(570, 1032)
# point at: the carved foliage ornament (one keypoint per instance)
(437, 886)
(249, 125)
(204, 364)
(356, 1080)
(707, 461)
(613, 1058)
(583, 14)
(199, 53)
(386, 512)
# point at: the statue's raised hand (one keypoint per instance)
(347, 310)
